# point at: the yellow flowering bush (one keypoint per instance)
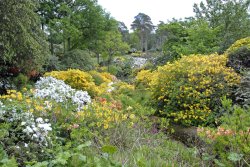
(189, 89)
(239, 43)
(105, 114)
(239, 55)
(144, 77)
(101, 77)
(123, 88)
(24, 99)
(77, 79)
(95, 83)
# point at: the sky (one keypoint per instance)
(157, 10)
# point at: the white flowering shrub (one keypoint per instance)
(54, 89)
(22, 135)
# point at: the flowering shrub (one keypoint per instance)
(105, 114)
(238, 44)
(77, 79)
(123, 88)
(93, 82)
(23, 135)
(101, 77)
(230, 141)
(189, 89)
(53, 89)
(144, 77)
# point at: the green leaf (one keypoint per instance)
(109, 149)
(235, 157)
(41, 164)
(82, 157)
(207, 157)
(86, 144)
(9, 162)
(217, 162)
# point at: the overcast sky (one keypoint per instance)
(157, 10)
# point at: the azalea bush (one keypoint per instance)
(53, 89)
(101, 115)
(94, 83)
(229, 142)
(23, 135)
(189, 90)
(143, 78)
(244, 42)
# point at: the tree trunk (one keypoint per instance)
(98, 58)
(142, 42)
(68, 43)
(51, 47)
(146, 42)
(64, 46)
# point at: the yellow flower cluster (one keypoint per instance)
(123, 87)
(238, 44)
(144, 77)
(83, 80)
(105, 114)
(25, 101)
(103, 76)
(188, 89)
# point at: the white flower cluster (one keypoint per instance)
(139, 62)
(51, 88)
(110, 87)
(38, 129)
(35, 130)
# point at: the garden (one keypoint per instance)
(78, 89)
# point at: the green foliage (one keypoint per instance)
(5, 161)
(144, 145)
(21, 135)
(52, 64)
(230, 16)
(124, 66)
(188, 37)
(22, 43)
(113, 45)
(242, 92)
(201, 38)
(176, 37)
(239, 60)
(77, 59)
(229, 143)
(239, 55)
(20, 81)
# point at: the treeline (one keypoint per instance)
(60, 34)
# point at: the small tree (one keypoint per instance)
(113, 45)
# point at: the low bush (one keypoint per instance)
(239, 60)
(23, 135)
(229, 143)
(77, 79)
(242, 92)
(244, 42)
(77, 59)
